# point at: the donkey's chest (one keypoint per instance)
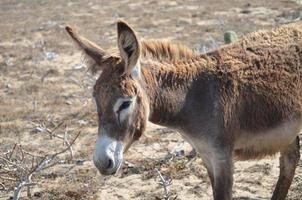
(252, 144)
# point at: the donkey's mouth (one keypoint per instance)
(108, 170)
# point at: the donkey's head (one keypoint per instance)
(122, 104)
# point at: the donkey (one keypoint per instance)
(241, 101)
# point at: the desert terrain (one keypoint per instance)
(45, 89)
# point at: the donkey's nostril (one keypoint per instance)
(110, 164)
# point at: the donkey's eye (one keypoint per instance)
(125, 105)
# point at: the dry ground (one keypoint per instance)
(43, 81)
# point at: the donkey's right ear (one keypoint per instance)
(95, 52)
(129, 46)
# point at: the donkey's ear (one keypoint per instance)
(95, 52)
(129, 46)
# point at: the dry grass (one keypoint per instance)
(44, 83)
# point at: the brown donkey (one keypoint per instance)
(241, 101)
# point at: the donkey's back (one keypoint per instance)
(264, 73)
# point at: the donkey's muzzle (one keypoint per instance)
(108, 155)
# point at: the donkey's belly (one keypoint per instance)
(255, 145)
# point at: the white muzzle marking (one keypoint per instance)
(108, 155)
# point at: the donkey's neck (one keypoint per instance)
(167, 85)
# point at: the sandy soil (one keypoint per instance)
(43, 81)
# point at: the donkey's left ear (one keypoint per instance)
(129, 46)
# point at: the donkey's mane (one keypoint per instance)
(163, 50)
(157, 50)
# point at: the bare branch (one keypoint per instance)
(19, 187)
(64, 150)
(3, 186)
(11, 163)
(8, 178)
(19, 166)
(66, 142)
(164, 183)
(12, 151)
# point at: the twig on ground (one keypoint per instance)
(8, 178)
(3, 186)
(165, 183)
(12, 151)
(66, 142)
(43, 128)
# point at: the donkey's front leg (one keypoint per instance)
(220, 169)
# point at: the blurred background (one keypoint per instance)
(45, 98)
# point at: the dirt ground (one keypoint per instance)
(43, 82)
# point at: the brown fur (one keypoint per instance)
(250, 70)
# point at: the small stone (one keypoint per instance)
(246, 11)
(50, 55)
(9, 62)
(38, 194)
(80, 162)
(229, 37)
